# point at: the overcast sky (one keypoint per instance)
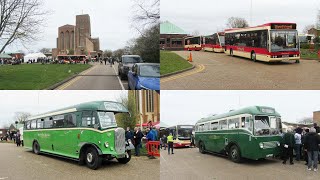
(206, 16)
(187, 107)
(110, 21)
(38, 102)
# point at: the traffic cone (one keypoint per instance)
(190, 58)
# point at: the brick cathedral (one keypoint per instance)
(77, 40)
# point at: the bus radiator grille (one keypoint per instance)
(271, 144)
(120, 141)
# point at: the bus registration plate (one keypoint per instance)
(269, 155)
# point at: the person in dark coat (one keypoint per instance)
(137, 135)
(289, 142)
(312, 142)
(129, 134)
(18, 142)
(304, 146)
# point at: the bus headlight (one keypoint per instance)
(261, 145)
(278, 144)
(106, 144)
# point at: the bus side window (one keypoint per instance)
(243, 122)
(87, 119)
(33, 124)
(214, 126)
(39, 124)
(70, 120)
(58, 121)
(48, 122)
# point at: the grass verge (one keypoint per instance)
(171, 62)
(36, 76)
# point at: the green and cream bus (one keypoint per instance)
(86, 132)
(251, 132)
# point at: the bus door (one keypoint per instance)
(70, 134)
(222, 135)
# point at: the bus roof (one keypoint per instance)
(255, 110)
(90, 106)
(263, 25)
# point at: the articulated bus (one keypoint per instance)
(272, 42)
(87, 133)
(193, 43)
(182, 135)
(214, 43)
(251, 132)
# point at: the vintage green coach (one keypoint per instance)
(86, 132)
(251, 132)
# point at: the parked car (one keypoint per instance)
(126, 63)
(144, 76)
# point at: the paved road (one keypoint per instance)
(17, 163)
(190, 164)
(98, 77)
(218, 71)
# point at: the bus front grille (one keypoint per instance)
(271, 144)
(120, 142)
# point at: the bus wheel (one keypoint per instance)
(231, 52)
(234, 154)
(92, 158)
(253, 57)
(126, 159)
(36, 147)
(202, 149)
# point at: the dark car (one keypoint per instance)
(126, 63)
(144, 76)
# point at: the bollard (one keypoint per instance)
(190, 59)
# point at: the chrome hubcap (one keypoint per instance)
(89, 157)
(234, 153)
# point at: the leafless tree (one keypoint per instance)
(237, 22)
(146, 13)
(307, 28)
(306, 120)
(21, 116)
(21, 21)
(107, 53)
(45, 50)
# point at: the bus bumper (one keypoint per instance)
(288, 59)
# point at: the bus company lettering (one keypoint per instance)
(240, 49)
(44, 135)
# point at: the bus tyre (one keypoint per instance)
(126, 159)
(202, 149)
(36, 148)
(234, 154)
(92, 158)
(253, 57)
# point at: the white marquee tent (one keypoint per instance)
(33, 56)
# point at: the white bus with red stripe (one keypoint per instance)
(214, 42)
(272, 42)
(194, 43)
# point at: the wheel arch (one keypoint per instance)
(85, 146)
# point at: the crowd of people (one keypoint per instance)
(305, 143)
(15, 137)
(136, 137)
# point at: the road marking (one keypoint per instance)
(4, 177)
(118, 78)
(69, 83)
(199, 68)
